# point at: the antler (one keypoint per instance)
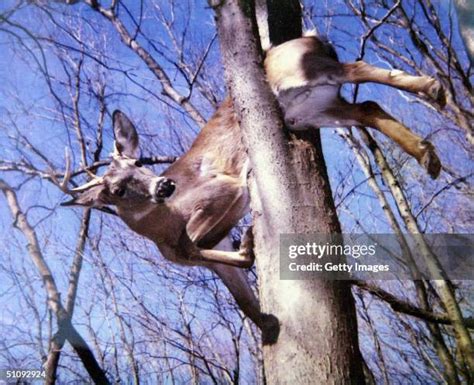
(67, 174)
(94, 182)
(63, 185)
(90, 173)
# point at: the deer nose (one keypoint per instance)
(164, 188)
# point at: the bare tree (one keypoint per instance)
(69, 64)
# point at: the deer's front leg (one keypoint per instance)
(238, 285)
(217, 206)
(244, 258)
(361, 72)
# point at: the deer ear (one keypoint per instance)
(126, 137)
(92, 197)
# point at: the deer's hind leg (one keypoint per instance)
(327, 71)
(321, 107)
(361, 72)
(372, 115)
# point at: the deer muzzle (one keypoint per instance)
(162, 189)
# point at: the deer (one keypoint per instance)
(192, 206)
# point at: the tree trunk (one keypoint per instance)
(290, 193)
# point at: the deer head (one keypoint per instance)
(126, 183)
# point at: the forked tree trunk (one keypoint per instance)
(290, 193)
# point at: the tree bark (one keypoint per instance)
(290, 193)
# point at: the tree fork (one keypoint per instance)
(290, 193)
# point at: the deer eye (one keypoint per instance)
(138, 163)
(120, 192)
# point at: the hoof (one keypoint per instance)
(436, 92)
(430, 160)
(270, 327)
